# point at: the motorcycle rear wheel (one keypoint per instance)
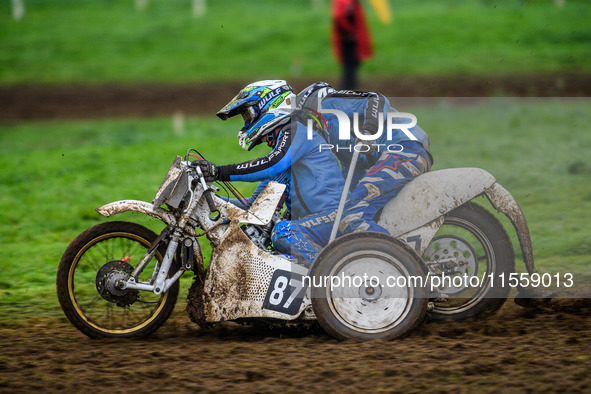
(472, 230)
(368, 309)
(85, 276)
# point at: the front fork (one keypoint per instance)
(159, 283)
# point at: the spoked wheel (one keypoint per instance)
(368, 286)
(88, 280)
(471, 244)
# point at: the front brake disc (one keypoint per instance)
(107, 278)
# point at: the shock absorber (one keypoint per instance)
(188, 256)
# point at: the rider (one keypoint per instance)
(313, 177)
(385, 165)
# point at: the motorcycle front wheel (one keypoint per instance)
(474, 244)
(92, 263)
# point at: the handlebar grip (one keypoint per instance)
(209, 199)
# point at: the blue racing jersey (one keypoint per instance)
(313, 175)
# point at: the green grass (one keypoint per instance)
(86, 41)
(53, 175)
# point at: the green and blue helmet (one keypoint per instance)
(264, 106)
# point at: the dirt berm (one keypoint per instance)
(30, 102)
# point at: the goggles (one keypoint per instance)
(249, 115)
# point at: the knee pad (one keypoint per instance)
(279, 236)
(281, 230)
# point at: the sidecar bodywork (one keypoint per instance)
(417, 212)
(243, 281)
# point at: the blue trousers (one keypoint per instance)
(304, 238)
(381, 183)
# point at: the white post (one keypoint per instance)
(199, 8)
(18, 9)
(141, 5)
(178, 123)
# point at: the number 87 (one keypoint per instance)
(278, 292)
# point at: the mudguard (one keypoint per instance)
(260, 212)
(431, 195)
(505, 203)
(137, 206)
(421, 204)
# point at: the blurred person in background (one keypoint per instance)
(350, 38)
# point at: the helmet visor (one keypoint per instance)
(249, 115)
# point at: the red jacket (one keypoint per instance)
(349, 23)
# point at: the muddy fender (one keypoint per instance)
(432, 195)
(505, 203)
(137, 206)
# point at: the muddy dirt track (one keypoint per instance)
(27, 102)
(516, 350)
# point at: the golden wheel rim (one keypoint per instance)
(84, 314)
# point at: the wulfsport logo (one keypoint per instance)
(380, 139)
(270, 96)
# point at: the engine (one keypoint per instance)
(261, 235)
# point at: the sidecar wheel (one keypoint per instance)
(380, 301)
(480, 241)
(92, 263)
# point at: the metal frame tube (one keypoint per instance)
(337, 221)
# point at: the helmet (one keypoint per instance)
(264, 106)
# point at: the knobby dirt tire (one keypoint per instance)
(377, 314)
(500, 261)
(77, 287)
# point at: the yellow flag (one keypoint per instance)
(382, 9)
